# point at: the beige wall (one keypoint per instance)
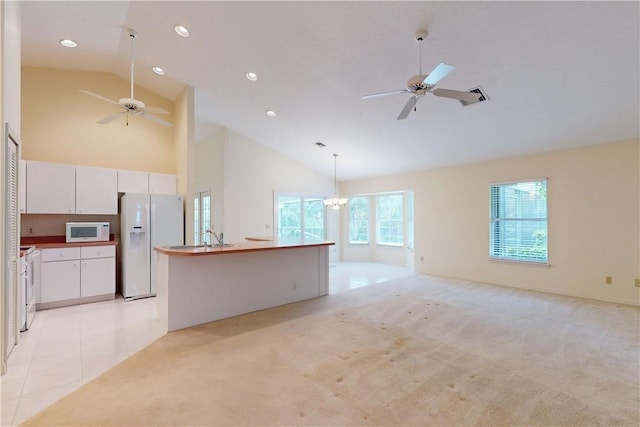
(252, 172)
(183, 137)
(594, 206)
(209, 168)
(3, 364)
(59, 122)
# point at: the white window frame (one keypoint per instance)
(303, 196)
(495, 221)
(401, 219)
(200, 213)
(368, 220)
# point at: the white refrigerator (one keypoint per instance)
(146, 221)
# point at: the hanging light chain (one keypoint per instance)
(335, 202)
(335, 174)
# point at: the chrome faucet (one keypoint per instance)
(219, 238)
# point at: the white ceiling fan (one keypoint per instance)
(424, 83)
(131, 105)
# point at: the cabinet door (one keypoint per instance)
(133, 182)
(51, 188)
(162, 183)
(96, 191)
(98, 277)
(59, 280)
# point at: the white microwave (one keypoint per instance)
(87, 232)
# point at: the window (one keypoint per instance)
(359, 220)
(410, 222)
(519, 221)
(201, 217)
(389, 219)
(299, 215)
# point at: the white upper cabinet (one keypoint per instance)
(96, 191)
(133, 182)
(54, 188)
(51, 188)
(162, 183)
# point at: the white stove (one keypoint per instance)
(30, 276)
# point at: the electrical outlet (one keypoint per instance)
(637, 283)
(421, 259)
(608, 280)
(30, 230)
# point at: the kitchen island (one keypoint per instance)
(197, 285)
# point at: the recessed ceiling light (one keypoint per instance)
(68, 43)
(251, 76)
(158, 70)
(181, 31)
(271, 113)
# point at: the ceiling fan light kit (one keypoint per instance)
(130, 105)
(422, 84)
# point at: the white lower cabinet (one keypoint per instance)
(60, 281)
(79, 272)
(98, 271)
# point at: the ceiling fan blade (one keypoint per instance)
(438, 73)
(95, 95)
(408, 107)
(158, 120)
(156, 110)
(468, 97)
(111, 118)
(391, 92)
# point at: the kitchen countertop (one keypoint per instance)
(248, 246)
(45, 242)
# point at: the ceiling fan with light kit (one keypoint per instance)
(131, 106)
(422, 84)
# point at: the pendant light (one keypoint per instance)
(335, 202)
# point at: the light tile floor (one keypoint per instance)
(68, 347)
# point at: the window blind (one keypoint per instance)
(518, 226)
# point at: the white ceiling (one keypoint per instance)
(558, 74)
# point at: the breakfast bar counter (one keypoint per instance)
(200, 284)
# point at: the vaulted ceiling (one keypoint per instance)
(557, 74)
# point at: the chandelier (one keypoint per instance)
(335, 202)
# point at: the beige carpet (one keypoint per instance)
(412, 351)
